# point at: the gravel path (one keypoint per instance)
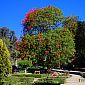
(75, 80)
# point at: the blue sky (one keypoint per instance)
(12, 12)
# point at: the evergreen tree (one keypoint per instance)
(9, 38)
(5, 64)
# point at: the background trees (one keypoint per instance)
(80, 47)
(6, 33)
(5, 64)
(9, 38)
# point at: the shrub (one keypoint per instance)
(46, 83)
(23, 64)
(29, 75)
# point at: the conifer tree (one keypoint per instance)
(5, 64)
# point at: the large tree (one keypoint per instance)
(80, 44)
(42, 19)
(50, 43)
(5, 64)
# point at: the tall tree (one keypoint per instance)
(5, 64)
(80, 44)
(45, 22)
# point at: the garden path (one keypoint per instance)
(75, 80)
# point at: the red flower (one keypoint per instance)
(46, 52)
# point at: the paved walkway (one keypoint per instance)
(75, 80)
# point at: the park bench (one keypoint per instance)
(37, 72)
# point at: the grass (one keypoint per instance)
(52, 79)
(12, 80)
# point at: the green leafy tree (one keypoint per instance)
(80, 45)
(5, 64)
(50, 44)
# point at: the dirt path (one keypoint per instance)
(75, 80)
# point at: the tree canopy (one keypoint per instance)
(40, 20)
